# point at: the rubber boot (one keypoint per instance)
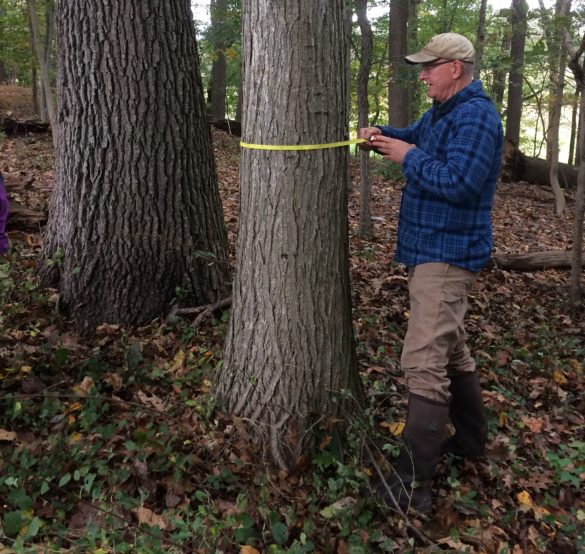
(468, 417)
(414, 470)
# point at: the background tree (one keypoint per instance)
(367, 44)
(290, 347)
(399, 74)
(135, 219)
(515, 86)
(557, 65)
(43, 49)
(577, 65)
(480, 39)
(221, 40)
(15, 48)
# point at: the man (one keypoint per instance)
(4, 244)
(451, 159)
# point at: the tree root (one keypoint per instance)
(203, 311)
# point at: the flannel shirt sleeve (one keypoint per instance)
(408, 134)
(468, 158)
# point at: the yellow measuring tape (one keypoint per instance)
(301, 146)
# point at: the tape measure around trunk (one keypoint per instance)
(301, 146)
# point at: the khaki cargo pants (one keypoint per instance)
(435, 343)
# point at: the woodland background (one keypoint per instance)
(112, 438)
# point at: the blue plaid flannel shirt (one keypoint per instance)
(445, 213)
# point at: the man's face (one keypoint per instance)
(440, 78)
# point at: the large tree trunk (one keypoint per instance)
(398, 92)
(515, 96)
(289, 348)
(367, 43)
(135, 216)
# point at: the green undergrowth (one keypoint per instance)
(115, 444)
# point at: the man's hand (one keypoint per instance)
(367, 133)
(391, 149)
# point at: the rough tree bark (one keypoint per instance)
(290, 348)
(398, 91)
(515, 96)
(135, 217)
(367, 42)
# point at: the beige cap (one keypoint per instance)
(450, 46)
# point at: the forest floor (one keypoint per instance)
(114, 444)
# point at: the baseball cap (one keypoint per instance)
(450, 46)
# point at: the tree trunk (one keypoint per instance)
(398, 109)
(480, 39)
(217, 85)
(557, 61)
(574, 126)
(578, 68)
(135, 216)
(515, 96)
(499, 75)
(44, 66)
(367, 42)
(575, 292)
(289, 348)
(34, 91)
(413, 89)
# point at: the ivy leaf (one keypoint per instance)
(65, 479)
(279, 532)
(13, 522)
(20, 499)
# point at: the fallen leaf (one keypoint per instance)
(148, 517)
(325, 442)
(84, 387)
(502, 358)
(524, 500)
(336, 507)
(559, 377)
(7, 435)
(248, 550)
(151, 400)
(113, 379)
(535, 425)
(395, 427)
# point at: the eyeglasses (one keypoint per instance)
(431, 66)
